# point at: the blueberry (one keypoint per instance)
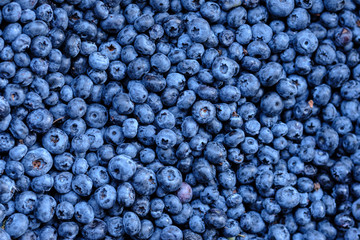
(96, 115)
(156, 208)
(98, 61)
(171, 232)
(131, 223)
(55, 141)
(40, 46)
(305, 42)
(42, 184)
(280, 8)
(352, 233)
(126, 194)
(197, 224)
(82, 185)
(16, 225)
(288, 197)
(62, 182)
(37, 162)
(87, 48)
(121, 168)
(115, 226)
(143, 175)
(11, 12)
(83, 213)
(327, 139)
(134, 96)
(203, 111)
(94, 230)
(18, 152)
(236, 17)
(165, 139)
(224, 68)
(40, 120)
(335, 80)
(45, 208)
(252, 222)
(80, 144)
(278, 231)
(334, 6)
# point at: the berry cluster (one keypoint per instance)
(180, 119)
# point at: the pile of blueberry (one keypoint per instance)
(180, 119)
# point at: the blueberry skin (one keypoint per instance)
(165, 139)
(128, 54)
(270, 74)
(98, 61)
(40, 46)
(86, 30)
(287, 197)
(278, 231)
(280, 8)
(117, 70)
(36, 28)
(160, 63)
(45, 208)
(82, 86)
(95, 230)
(305, 42)
(11, 12)
(196, 224)
(169, 179)
(122, 168)
(42, 184)
(144, 45)
(165, 119)
(7, 142)
(172, 204)
(68, 229)
(14, 95)
(40, 120)
(37, 162)
(171, 232)
(18, 152)
(126, 194)
(55, 141)
(16, 225)
(127, 35)
(115, 226)
(83, 212)
(327, 139)
(335, 80)
(334, 6)
(224, 68)
(12, 32)
(25, 202)
(80, 166)
(143, 175)
(122, 103)
(131, 223)
(113, 23)
(62, 182)
(252, 222)
(96, 115)
(351, 233)
(188, 67)
(146, 135)
(215, 152)
(236, 17)
(48, 231)
(203, 111)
